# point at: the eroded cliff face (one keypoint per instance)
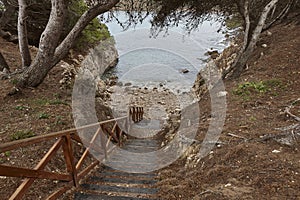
(89, 103)
(101, 58)
(212, 72)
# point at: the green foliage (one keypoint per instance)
(14, 81)
(20, 107)
(252, 118)
(43, 116)
(248, 88)
(19, 135)
(93, 33)
(1, 6)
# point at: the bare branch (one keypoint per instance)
(288, 110)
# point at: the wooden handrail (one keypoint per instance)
(37, 139)
(64, 140)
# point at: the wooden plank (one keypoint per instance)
(76, 138)
(88, 169)
(21, 190)
(114, 127)
(31, 173)
(34, 140)
(80, 162)
(69, 158)
(107, 131)
(59, 192)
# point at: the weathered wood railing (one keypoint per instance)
(136, 113)
(64, 139)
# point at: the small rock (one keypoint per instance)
(269, 33)
(276, 151)
(228, 185)
(120, 84)
(185, 71)
(127, 84)
(213, 54)
(264, 45)
(80, 57)
(76, 61)
(222, 94)
(162, 103)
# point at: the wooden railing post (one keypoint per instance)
(136, 113)
(69, 157)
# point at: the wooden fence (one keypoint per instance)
(136, 113)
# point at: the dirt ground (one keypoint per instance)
(243, 166)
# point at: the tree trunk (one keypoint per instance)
(22, 34)
(50, 52)
(63, 49)
(43, 62)
(246, 16)
(240, 65)
(3, 63)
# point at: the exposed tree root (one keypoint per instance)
(287, 110)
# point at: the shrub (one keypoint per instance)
(19, 135)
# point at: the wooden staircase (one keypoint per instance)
(109, 184)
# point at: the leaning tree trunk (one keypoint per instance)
(22, 34)
(43, 62)
(63, 49)
(240, 65)
(50, 51)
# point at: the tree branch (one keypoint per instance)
(84, 20)
(282, 14)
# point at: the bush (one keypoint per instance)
(93, 33)
(248, 88)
